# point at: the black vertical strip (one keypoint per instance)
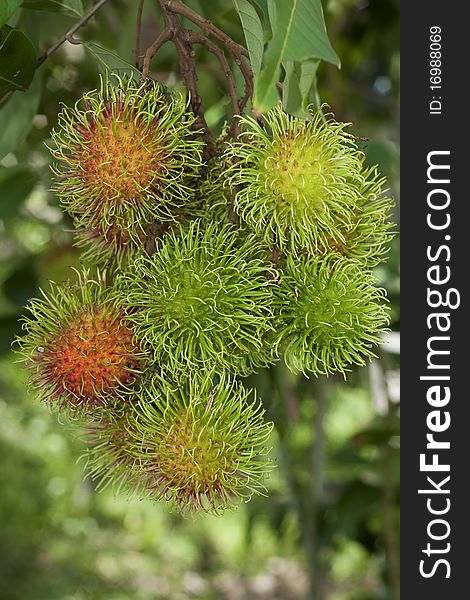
(435, 270)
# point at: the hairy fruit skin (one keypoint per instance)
(111, 246)
(201, 446)
(203, 301)
(330, 314)
(125, 156)
(79, 347)
(301, 184)
(109, 461)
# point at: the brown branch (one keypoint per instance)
(195, 38)
(177, 7)
(176, 33)
(236, 51)
(162, 38)
(138, 33)
(184, 39)
(69, 33)
(66, 37)
(157, 230)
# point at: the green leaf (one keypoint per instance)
(73, 8)
(111, 62)
(263, 8)
(307, 34)
(299, 34)
(16, 117)
(299, 88)
(253, 30)
(7, 9)
(291, 98)
(17, 60)
(15, 186)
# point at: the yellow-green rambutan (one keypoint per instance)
(201, 443)
(301, 184)
(330, 314)
(202, 301)
(125, 157)
(80, 349)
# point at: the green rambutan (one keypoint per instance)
(79, 346)
(330, 314)
(203, 301)
(200, 445)
(125, 156)
(301, 184)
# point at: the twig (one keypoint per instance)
(390, 528)
(184, 39)
(156, 230)
(176, 33)
(195, 38)
(138, 33)
(316, 487)
(66, 37)
(177, 7)
(69, 33)
(235, 50)
(162, 38)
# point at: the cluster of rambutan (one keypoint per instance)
(206, 273)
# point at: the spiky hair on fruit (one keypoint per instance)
(299, 183)
(203, 301)
(213, 198)
(331, 314)
(200, 443)
(125, 156)
(109, 461)
(368, 235)
(78, 345)
(110, 247)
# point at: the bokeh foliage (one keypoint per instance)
(332, 505)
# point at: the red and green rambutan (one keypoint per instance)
(125, 157)
(330, 314)
(79, 347)
(301, 184)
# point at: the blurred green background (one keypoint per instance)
(329, 527)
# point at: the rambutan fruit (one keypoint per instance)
(301, 184)
(125, 156)
(203, 301)
(200, 444)
(331, 314)
(79, 346)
